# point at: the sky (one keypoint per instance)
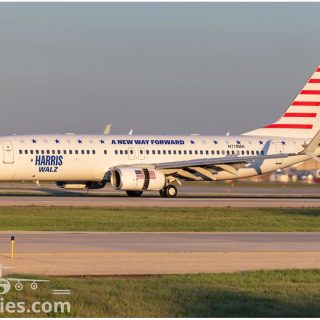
(156, 68)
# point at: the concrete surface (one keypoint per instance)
(240, 194)
(156, 202)
(69, 253)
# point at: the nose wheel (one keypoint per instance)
(169, 191)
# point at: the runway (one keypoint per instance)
(123, 201)
(190, 195)
(113, 253)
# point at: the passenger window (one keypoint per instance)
(201, 151)
(223, 152)
(42, 151)
(76, 151)
(242, 152)
(207, 151)
(131, 151)
(70, 151)
(179, 151)
(115, 151)
(169, 151)
(31, 151)
(185, 151)
(53, 152)
(26, 151)
(105, 152)
(121, 152)
(232, 151)
(212, 151)
(218, 152)
(164, 152)
(196, 152)
(125, 151)
(48, 151)
(153, 151)
(228, 152)
(64, 151)
(20, 151)
(141, 151)
(190, 151)
(147, 151)
(252, 152)
(82, 151)
(159, 152)
(37, 151)
(59, 152)
(248, 152)
(257, 152)
(262, 152)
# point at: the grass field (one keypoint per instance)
(290, 293)
(158, 219)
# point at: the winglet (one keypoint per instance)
(107, 129)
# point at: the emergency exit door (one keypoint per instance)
(8, 157)
(279, 149)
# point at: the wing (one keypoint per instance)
(217, 161)
(190, 169)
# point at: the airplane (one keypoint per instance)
(138, 163)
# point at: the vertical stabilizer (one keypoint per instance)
(302, 118)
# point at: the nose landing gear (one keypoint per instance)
(169, 191)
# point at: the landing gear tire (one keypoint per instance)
(131, 193)
(169, 192)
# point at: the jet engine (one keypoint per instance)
(137, 179)
(80, 185)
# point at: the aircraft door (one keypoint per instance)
(8, 156)
(141, 154)
(131, 153)
(279, 149)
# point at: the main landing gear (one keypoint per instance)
(169, 191)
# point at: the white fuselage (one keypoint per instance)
(90, 157)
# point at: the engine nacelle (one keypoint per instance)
(129, 178)
(80, 185)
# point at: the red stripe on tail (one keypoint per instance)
(310, 92)
(314, 81)
(289, 126)
(300, 115)
(306, 103)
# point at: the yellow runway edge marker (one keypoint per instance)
(12, 247)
